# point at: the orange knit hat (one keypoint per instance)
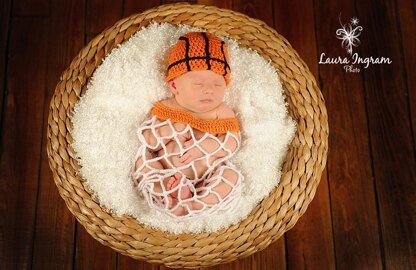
(199, 51)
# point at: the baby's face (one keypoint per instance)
(199, 91)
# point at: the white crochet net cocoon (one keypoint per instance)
(214, 172)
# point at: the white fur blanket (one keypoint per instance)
(121, 93)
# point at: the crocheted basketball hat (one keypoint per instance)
(199, 51)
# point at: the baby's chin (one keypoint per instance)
(200, 107)
(205, 107)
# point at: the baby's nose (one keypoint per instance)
(208, 89)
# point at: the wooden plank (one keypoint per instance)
(218, 3)
(54, 243)
(262, 10)
(21, 140)
(407, 15)
(353, 205)
(102, 14)
(133, 6)
(89, 252)
(265, 259)
(125, 262)
(163, 2)
(390, 132)
(310, 242)
(31, 8)
(5, 15)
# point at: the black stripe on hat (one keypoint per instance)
(197, 58)
(187, 59)
(207, 56)
(225, 59)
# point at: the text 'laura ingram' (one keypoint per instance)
(356, 59)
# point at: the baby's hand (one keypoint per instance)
(185, 136)
(192, 154)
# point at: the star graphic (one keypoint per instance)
(355, 21)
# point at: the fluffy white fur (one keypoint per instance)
(120, 94)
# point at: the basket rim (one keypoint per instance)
(261, 227)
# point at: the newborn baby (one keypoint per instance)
(182, 165)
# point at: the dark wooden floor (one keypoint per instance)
(364, 212)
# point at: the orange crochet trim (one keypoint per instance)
(213, 126)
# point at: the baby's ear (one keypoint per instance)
(172, 86)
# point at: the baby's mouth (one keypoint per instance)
(206, 100)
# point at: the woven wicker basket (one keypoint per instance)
(301, 172)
